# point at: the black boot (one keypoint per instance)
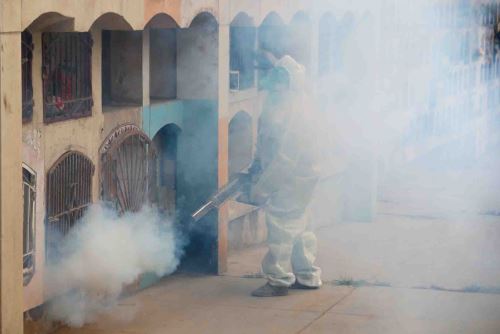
(300, 286)
(268, 290)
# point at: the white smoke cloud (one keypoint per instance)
(104, 254)
(407, 107)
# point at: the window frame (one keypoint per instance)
(29, 243)
(60, 90)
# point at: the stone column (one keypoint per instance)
(145, 68)
(11, 216)
(223, 133)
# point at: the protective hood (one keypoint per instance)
(296, 72)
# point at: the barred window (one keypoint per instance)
(27, 82)
(67, 84)
(29, 195)
(69, 194)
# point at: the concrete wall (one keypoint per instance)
(163, 63)
(125, 67)
(197, 63)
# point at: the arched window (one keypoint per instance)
(243, 35)
(69, 194)
(29, 199)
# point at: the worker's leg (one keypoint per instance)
(276, 264)
(303, 257)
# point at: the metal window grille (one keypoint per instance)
(69, 194)
(27, 82)
(29, 192)
(67, 68)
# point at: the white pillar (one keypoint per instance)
(11, 213)
(223, 141)
(145, 67)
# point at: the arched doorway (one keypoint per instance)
(240, 142)
(127, 163)
(164, 194)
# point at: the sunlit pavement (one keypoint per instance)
(396, 251)
(425, 240)
(223, 305)
(403, 250)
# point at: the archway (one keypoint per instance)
(121, 64)
(299, 39)
(240, 142)
(272, 36)
(198, 58)
(242, 49)
(162, 31)
(164, 186)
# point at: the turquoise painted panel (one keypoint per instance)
(197, 173)
(197, 181)
(158, 115)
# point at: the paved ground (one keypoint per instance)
(403, 251)
(222, 305)
(441, 231)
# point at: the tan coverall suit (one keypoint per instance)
(287, 181)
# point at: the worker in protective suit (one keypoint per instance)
(285, 173)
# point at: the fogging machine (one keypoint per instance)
(231, 190)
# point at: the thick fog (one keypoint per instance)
(104, 255)
(412, 103)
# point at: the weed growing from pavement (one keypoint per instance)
(358, 283)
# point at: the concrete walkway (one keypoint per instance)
(427, 234)
(183, 304)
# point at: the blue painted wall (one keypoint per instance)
(197, 174)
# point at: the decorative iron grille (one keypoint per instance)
(128, 169)
(67, 82)
(69, 194)
(27, 82)
(29, 193)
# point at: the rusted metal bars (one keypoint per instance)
(67, 59)
(69, 193)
